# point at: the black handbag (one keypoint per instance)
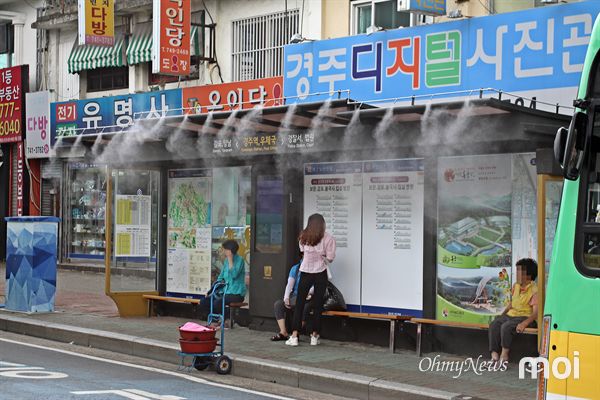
(333, 299)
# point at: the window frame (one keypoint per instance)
(112, 72)
(356, 4)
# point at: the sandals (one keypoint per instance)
(279, 337)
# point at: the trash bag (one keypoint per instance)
(333, 299)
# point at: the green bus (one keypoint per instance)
(570, 340)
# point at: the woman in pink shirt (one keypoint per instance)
(318, 247)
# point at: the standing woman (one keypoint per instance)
(318, 247)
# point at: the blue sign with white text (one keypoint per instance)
(111, 114)
(536, 49)
(432, 7)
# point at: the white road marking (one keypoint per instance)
(151, 369)
(132, 394)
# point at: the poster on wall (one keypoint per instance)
(335, 191)
(392, 235)
(132, 226)
(189, 231)
(486, 221)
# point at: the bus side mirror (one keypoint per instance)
(570, 146)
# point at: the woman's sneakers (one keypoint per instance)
(293, 341)
(314, 340)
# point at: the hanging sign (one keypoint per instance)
(171, 44)
(13, 83)
(37, 124)
(96, 19)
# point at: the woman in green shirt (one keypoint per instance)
(233, 274)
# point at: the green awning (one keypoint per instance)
(90, 57)
(140, 44)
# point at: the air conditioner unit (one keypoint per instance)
(403, 5)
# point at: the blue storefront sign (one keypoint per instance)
(542, 48)
(111, 114)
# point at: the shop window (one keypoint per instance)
(86, 204)
(101, 79)
(258, 44)
(377, 13)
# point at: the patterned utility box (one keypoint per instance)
(31, 250)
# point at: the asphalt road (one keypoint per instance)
(31, 371)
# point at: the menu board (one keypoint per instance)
(189, 231)
(132, 227)
(334, 190)
(392, 234)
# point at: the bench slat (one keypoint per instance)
(366, 315)
(437, 322)
(170, 299)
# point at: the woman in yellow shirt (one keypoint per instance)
(519, 314)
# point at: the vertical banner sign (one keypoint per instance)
(392, 235)
(132, 227)
(20, 177)
(96, 20)
(171, 37)
(13, 83)
(334, 190)
(189, 231)
(37, 124)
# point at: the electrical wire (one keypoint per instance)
(486, 7)
(212, 21)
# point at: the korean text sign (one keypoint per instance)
(236, 95)
(37, 125)
(111, 114)
(97, 22)
(537, 49)
(171, 37)
(13, 85)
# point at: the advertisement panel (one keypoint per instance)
(189, 231)
(37, 107)
(13, 86)
(171, 40)
(486, 222)
(111, 114)
(132, 225)
(539, 52)
(96, 22)
(235, 95)
(334, 190)
(392, 237)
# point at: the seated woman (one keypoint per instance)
(233, 274)
(519, 314)
(286, 305)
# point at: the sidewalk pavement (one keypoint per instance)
(85, 316)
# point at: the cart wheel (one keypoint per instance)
(201, 363)
(223, 365)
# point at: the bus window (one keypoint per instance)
(591, 251)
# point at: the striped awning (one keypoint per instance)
(90, 57)
(140, 44)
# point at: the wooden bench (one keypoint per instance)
(153, 297)
(434, 322)
(389, 317)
